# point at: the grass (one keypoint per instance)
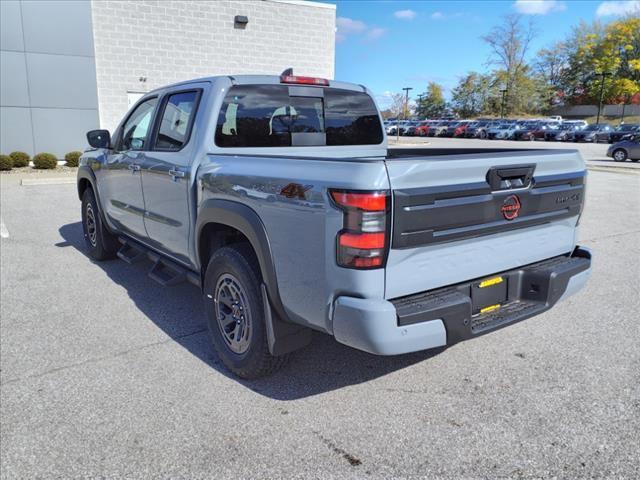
(614, 121)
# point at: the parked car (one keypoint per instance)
(422, 129)
(562, 133)
(623, 131)
(596, 132)
(531, 131)
(628, 148)
(502, 131)
(349, 250)
(478, 129)
(461, 128)
(436, 129)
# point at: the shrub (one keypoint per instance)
(20, 159)
(73, 158)
(46, 161)
(5, 162)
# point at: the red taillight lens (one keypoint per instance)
(364, 240)
(304, 80)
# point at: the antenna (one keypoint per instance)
(287, 72)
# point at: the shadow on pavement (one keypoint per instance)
(323, 366)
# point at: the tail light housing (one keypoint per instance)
(363, 242)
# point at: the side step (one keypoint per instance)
(164, 271)
(130, 254)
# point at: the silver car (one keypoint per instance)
(626, 149)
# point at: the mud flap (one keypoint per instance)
(282, 337)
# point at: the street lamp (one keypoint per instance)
(603, 74)
(504, 91)
(406, 107)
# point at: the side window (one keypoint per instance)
(136, 128)
(175, 124)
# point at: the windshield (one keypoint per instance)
(626, 128)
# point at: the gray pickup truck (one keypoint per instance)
(278, 197)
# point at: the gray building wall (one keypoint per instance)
(48, 91)
(169, 41)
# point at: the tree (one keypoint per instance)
(509, 43)
(551, 67)
(431, 104)
(399, 106)
(470, 97)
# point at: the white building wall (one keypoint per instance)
(169, 41)
(48, 94)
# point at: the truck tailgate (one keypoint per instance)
(461, 216)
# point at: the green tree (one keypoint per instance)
(470, 97)
(509, 43)
(431, 104)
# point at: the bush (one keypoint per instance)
(20, 159)
(73, 158)
(45, 161)
(5, 162)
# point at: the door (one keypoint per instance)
(121, 180)
(166, 174)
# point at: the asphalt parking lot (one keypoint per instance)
(106, 374)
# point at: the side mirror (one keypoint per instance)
(99, 138)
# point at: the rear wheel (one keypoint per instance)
(235, 313)
(102, 245)
(620, 155)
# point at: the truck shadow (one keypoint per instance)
(323, 366)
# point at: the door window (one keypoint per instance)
(136, 129)
(176, 121)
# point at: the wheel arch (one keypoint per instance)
(216, 215)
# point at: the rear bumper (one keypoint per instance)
(444, 317)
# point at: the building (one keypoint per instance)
(71, 66)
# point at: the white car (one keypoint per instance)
(502, 131)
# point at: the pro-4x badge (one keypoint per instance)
(510, 207)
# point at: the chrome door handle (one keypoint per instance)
(133, 167)
(175, 174)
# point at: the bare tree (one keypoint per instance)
(509, 43)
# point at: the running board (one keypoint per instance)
(130, 253)
(164, 271)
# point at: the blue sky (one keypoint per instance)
(388, 45)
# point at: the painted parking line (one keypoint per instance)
(4, 233)
(48, 181)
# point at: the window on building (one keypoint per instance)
(269, 116)
(136, 128)
(176, 121)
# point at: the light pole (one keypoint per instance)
(406, 106)
(604, 74)
(504, 94)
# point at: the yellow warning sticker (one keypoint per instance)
(490, 282)
(490, 308)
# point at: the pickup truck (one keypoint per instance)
(278, 197)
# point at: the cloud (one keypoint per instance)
(617, 9)
(347, 26)
(405, 14)
(437, 16)
(538, 7)
(375, 33)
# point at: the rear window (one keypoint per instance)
(274, 116)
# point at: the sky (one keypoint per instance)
(388, 45)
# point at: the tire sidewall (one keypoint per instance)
(97, 251)
(231, 260)
(620, 150)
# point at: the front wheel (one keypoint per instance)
(620, 155)
(235, 313)
(102, 245)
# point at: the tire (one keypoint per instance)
(620, 155)
(101, 244)
(234, 307)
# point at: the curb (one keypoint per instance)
(26, 182)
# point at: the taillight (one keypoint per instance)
(304, 80)
(364, 240)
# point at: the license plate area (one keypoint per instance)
(488, 294)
